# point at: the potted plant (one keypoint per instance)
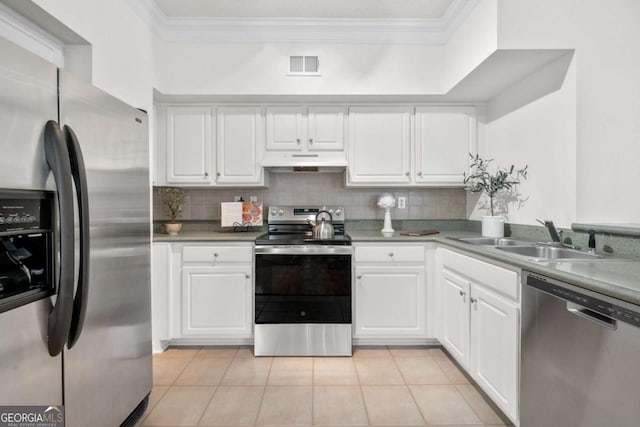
(173, 199)
(479, 179)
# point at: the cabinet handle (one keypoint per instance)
(407, 173)
(391, 254)
(215, 255)
(310, 140)
(218, 174)
(462, 293)
(298, 141)
(246, 276)
(206, 174)
(419, 173)
(359, 277)
(473, 300)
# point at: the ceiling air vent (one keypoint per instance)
(304, 65)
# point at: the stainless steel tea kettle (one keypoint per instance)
(322, 229)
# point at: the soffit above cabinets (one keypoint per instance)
(423, 22)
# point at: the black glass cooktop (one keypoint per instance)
(301, 239)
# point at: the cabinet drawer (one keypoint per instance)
(497, 278)
(389, 254)
(217, 254)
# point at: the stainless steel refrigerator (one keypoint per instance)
(96, 319)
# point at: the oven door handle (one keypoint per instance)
(304, 250)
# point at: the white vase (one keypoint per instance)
(493, 226)
(387, 230)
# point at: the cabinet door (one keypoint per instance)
(390, 302)
(494, 347)
(325, 129)
(285, 128)
(239, 146)
(217, 302)
(444, 138)
(379, 143)
(455, 327)
(189, 145)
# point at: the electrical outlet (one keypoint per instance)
(253, 198)
(402, 202)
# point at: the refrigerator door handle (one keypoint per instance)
(58, 160)
(79, 174)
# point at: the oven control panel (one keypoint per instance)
(300, 214)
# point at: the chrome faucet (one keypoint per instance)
(555, 236)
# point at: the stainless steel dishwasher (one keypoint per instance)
(580, 358)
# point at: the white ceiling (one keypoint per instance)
(367, 9)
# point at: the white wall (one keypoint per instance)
(542, 135)
(608, 111)
(122, 45)
(473, 42)
(185, 68)
(583, 138)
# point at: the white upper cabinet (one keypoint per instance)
(298, 135)
(284, 128)
(189, 154)
(239, 146)
(380, 144)
(326, 129)
(443, 138)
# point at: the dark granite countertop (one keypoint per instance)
(615, 277)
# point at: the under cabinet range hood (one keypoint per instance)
(291, 163)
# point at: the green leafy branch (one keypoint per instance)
(173, 199)
(479, 179)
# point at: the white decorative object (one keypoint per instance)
(493, 226)
(387, 201)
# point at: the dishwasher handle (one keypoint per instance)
(592, 316)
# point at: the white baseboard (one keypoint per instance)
(249, 342)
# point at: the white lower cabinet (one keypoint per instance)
(390, 293)
(160, 280)
(216, 301)
(390, 302)
(494, 347)
(455, 325)
(202, 294)
(480, 324)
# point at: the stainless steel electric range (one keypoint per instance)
(303, 285)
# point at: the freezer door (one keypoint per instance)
(28, 99)
(29, 375)
(108, 371)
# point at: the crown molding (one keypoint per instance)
(21, 31)
(303, 30)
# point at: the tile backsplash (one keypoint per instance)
(323, 189)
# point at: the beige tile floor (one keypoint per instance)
(377, 386)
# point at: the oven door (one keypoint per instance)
(303, 284)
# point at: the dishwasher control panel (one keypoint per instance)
(566, 292)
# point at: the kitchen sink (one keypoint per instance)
(530, 250)
(544, 252)
(490, 241)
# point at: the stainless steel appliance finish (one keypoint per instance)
(303, 285)
(117, 332)
(303, 340)
(107, 358)
(579, 358)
